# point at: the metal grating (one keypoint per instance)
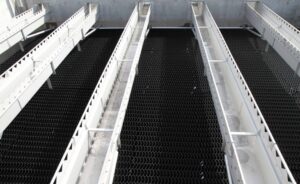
(32, 146)
(170, 132)
(274, 86)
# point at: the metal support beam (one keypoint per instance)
(22, 80)
(267, 47)
(281, 35)
(21, 47)
(39, 33)
(125, 51)
(100, 130)
(253, 32)
(53, 68)
(79, 47)
(90, 32)
(251, 151)
(22, 25)
(49, 84)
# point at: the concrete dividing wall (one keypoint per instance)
(11, 8)
(170, 12)
(288, 9)
(6, 12)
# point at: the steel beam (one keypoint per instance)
(128, 48)
(39, 33)
(281, 35)
(21, 81)
(20, 26)
(251, 151)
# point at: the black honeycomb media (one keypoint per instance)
(170, 133)
(33, 144)
(272, 82)
(32, 42)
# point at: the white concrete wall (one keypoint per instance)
(288, 9)
(5, 11)
(171, 12)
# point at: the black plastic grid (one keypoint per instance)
(170, 132)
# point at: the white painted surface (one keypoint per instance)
(6, 14)
(131, 57)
